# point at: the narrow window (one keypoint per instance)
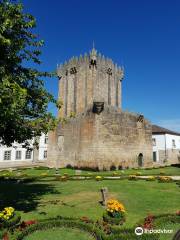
(154, 156)
(28, 154)
(45, 154)
(18, 155)
(7, 155)
(173, 143)
(46, 140)
(154, 142)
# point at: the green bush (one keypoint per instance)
(42, 168)
(90, 228)
(112, 167)
(113, 220)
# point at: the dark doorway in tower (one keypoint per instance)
(140, 160)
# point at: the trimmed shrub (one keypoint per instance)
(99, 178)
(151, 178)
(165, 179)
(112, 167)
(90, 228)
(138, 174)
(132, 178)
(61, 178)
(42, 168)
(120, 167)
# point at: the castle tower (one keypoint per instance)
(98, 134)
(86, 80)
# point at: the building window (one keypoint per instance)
(28, 154)
(154, 156)
(173, 143)
(45, 154)
(154, 142)
(18, 155)
(7, 155)
(46, 140)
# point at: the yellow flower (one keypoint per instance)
(114, 205)
(98, 178)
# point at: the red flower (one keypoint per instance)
(24, 224)
(148, 222)
(5, 237)
(30, 222)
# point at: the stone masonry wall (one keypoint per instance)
(171, 156)
(110, 138)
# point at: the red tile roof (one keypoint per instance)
(160, 130)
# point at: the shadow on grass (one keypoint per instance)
(23, 196)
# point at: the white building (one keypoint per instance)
(17, 155)
(166, 146)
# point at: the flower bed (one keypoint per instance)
(165, 179)
(115, 212)
(8, 217)
(99, 178)
(133, 177)
(151, 178)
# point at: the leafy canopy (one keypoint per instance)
(23, 98)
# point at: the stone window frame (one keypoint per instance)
(7, 155)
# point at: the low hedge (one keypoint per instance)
(116, 233)
(90, 228)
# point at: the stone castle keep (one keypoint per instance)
(94, 131)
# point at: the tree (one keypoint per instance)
(23, 98)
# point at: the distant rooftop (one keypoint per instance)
(160, 130)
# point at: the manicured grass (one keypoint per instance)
(60, 234)
(169, 226)
(48, 198)
(42, 199)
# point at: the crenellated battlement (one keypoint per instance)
(86, 79)
(102, 63)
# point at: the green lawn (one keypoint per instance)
(60, 234)
(173, 171)
(44, 199)
(39, 200)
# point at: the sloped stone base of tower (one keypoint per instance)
(110, 138)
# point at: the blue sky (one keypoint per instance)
(143, 36)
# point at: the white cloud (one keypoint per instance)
(171, 124)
